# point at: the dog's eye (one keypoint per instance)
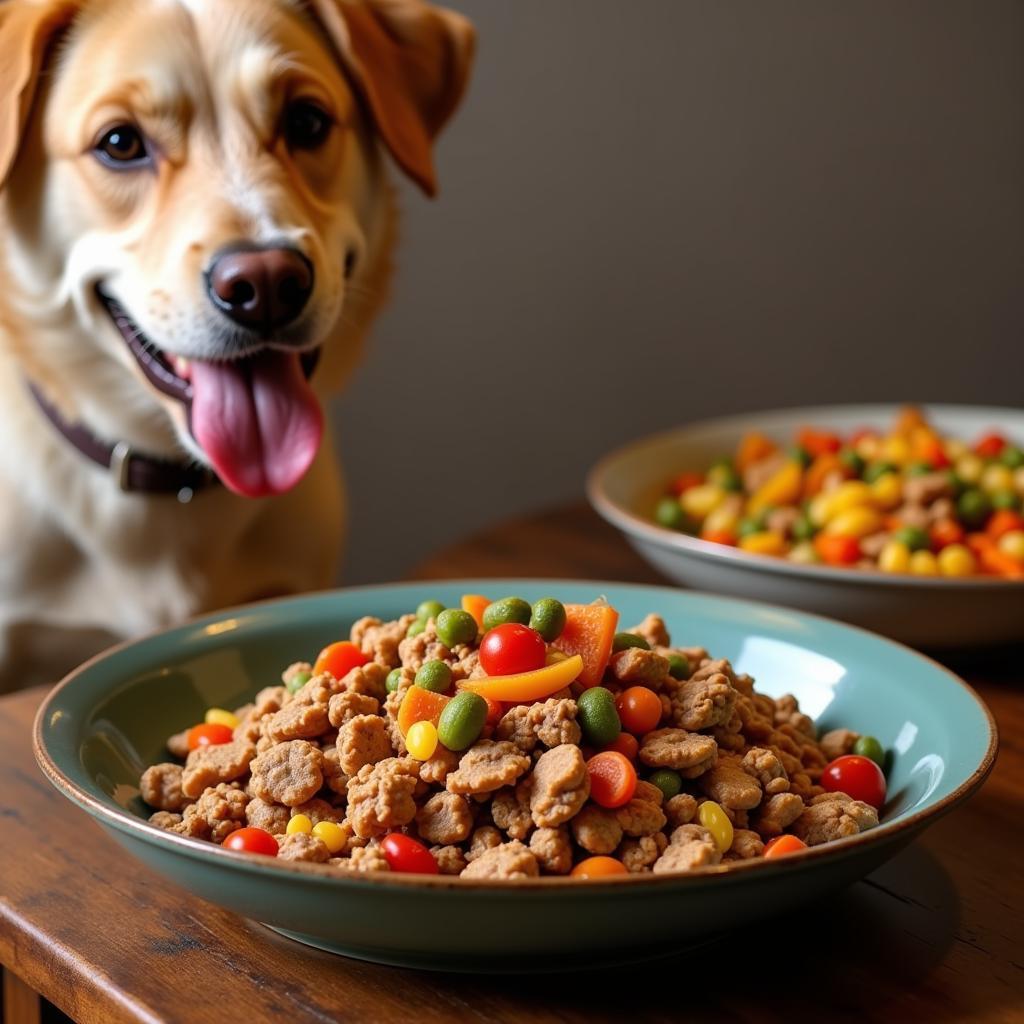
(122, 146)
(306, 125)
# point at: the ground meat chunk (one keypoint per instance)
(450, 859)
(222, 762)
(348, 704)
(689, 753)
(368, 858)
(639, 854)
(318, 810)
(487, 766)
(833, 816)
(272, 818)
(160, 787)
(294, 669)
(553, 850)
(302, 846)
(414, 650)
(640, 818)
(363, 740)
(653, 630)
(510, 860)
(380, 796)
(380, 640)
(370, 680)
(317, 690)
(596, 829)
(551, 723)
(334, 778)
(764, 766)
(636, 667)
(297, 721)
(745, 844)
(218, 812)
(649, 792)
(269, 700)
(561, 786)
(680, 809)
(484, 838)
(177, 745)
(778, 813)
(510, 809)
(729, 785)
(288, 773)
(699, 703)
(838, 742)
(435, 770)
(690, 847)
(165, 819)
(444, 819)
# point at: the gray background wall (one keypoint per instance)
(658, 210)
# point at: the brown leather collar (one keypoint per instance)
(131, 470)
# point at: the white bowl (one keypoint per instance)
(936, 612)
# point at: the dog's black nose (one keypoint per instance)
(262, 289)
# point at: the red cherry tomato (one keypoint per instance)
(625, 743)
(990, 445)
(639, 709)
(685, 481)
(405, 854)
(855, 776)
(339, 659)
(209, 735)
(252, 840)
(511, 648)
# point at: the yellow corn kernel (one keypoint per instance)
(1012, 543)
(764, 542)
(924, 563)
(855, 522)
(894, 557)
(996, 478)
(803, 553)
(849, 494)
(298, 823)
(717, 822)
(421, 740)
(700, 500)
(969, 468)
(783, 488)
(332, 835)
(868, 447)
(896, 448)
(955, 449)
(218, 716)
(1018, 481)
(957, 560)
(887, 491)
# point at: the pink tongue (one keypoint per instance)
(258, 421)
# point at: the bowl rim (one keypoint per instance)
(635, 525)
(132, 825)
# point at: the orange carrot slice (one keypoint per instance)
(589, 631)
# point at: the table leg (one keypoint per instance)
(21, 1004)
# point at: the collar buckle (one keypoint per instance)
(120, 457)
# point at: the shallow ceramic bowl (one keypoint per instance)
(924, 611)
(106, 722)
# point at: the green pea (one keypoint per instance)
(393, 679)
(678, 666)
(298, 681)
(798, 453)
(462, 721)
(454, 627)
(1005, 499)
(918, 469)
(973, 508)
(725, 476)
(668, 781)
(1012, 456)
(435, 676)
(748, 526)
(669, 513)
(869, 747)
(803, 528)
(849, 458)
(548, 618)
(416, 628)
(913, 536)
(621, 641)
(876, 469)
(597, 716)
(429, 610)
(508, 609)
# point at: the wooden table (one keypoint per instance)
(937, 934)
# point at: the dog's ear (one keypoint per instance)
(26, 30)
(410, 61)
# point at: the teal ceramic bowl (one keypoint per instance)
(108, 720)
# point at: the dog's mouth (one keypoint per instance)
(255, 417)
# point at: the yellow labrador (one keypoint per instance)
(195, 227)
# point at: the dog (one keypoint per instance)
(196, 227)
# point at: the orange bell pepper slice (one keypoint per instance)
(589, 632)
(526, 686)
(752, 448)
(339, 659)
(1003, 521)
(475, 604)
(992, 559)
(420, 705)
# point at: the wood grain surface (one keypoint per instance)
(937, 934)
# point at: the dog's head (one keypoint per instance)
(194, 199)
